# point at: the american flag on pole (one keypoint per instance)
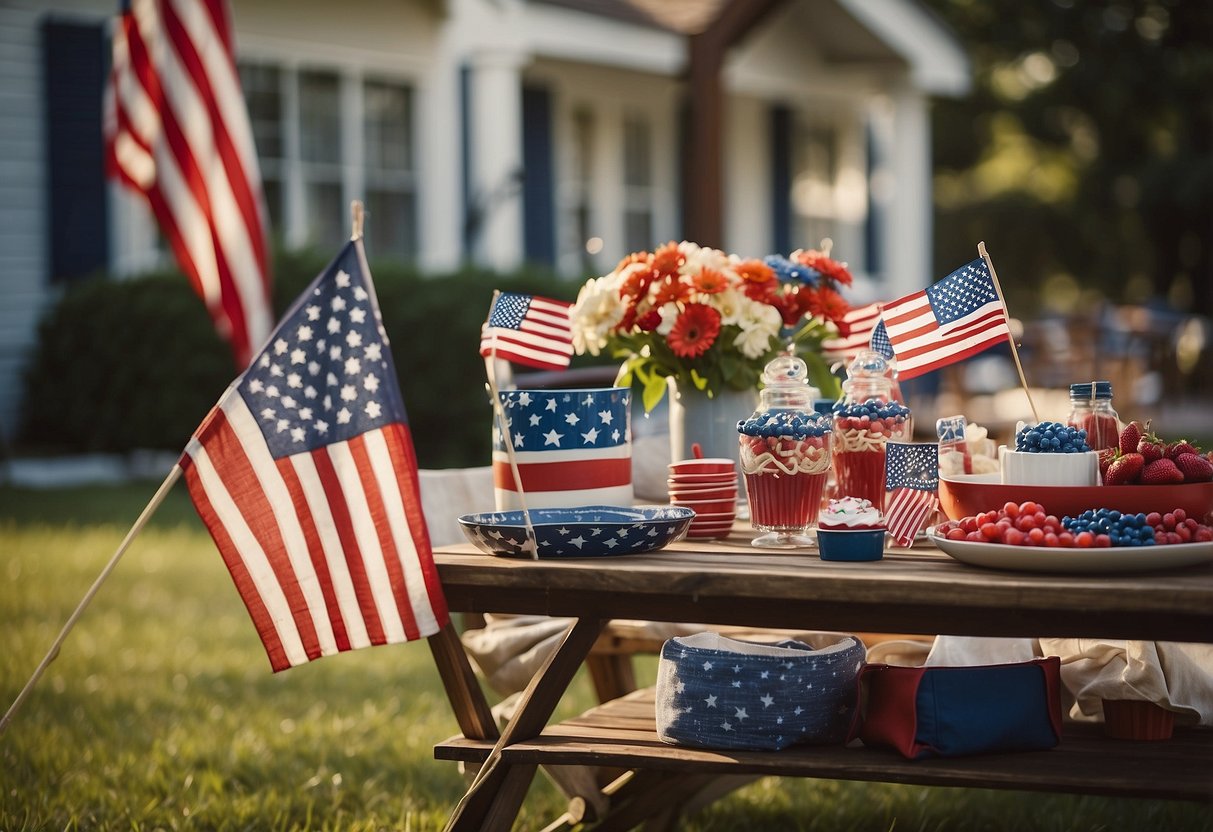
(530, 330)
(880, 340)
(177, 132)
(855, 333)
(956, 318)
(305, 475)
(912, 488)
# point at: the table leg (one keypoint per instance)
(496, 794)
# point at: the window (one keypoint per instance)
(637, 183)
(263, 96)
(307, 125)
(814, 171)
(390, 172)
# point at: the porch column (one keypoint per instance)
(906, 254)
(494, 212)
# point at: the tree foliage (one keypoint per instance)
(1085, 153)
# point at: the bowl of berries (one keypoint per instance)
(1050, 453)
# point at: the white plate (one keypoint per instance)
(1084, 561)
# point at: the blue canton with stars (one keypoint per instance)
(326, 375)
(912, 465)
(962, 292)
(565, 420)
(725, 696)
(509, 310)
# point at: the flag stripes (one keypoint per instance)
(530, 330)
(858, 323)
(177, 132)
(907, 511)
(313, 593)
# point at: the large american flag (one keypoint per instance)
(912, 486)
(958, 317)
(855, 333)
(530, 330)
(305, 475)
(177, 132)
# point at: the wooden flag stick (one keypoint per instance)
(53, 653)
(357, 215)
(507, 438)
(981, 249)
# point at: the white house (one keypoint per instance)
(502, 131)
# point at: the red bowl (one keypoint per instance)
(970, 495)
(716, 492)
(707, 465)
(709, 507)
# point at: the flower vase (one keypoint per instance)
(710, 422)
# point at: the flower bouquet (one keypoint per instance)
(708, 319)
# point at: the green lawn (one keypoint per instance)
(162, 713)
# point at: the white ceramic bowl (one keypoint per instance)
(1020, 468)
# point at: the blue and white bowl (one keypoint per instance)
(582, 532)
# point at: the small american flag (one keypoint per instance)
(855, 333)
(956, 318)
(177, 132)
(528, 329)
(912, 485)
(880, 340)
(305, 475)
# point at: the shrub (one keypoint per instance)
(136, 363)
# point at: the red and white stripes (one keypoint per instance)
(177, 131)
(328, 548)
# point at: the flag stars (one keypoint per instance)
(707, 665)
(711, 700)
(767, 700)
(322, 427)
(298, 356)
(606, 416)
(524, 399)
(534, 420)
(268, 414)
(333, 326)
(353, 366)
(298, 434)
(373, 410)
(294, 380)
(342, 279)
(373, 352)
(283, 424)
(741, 715)
(305, 413)
(344, 416)
(334, 353)
(358, 315)
(371, 383)
(280, 346)
(591, 437)
(348, 393)
(309, 392)
(572, 418)
(272, 391)
(304, 332)
(312, 312)
(337, 304)
(289, 401)
(552, 438)
(255, 385)
(551, 405)
(276, 371)
(353, 339)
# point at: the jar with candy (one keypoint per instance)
(1091, 410)
(865, 419)
(785, 455)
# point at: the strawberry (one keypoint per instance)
(1195, 468)
(1183, 446)
(1106, 457)
(1151, 448)
(1124, 469)
(1129, 437)
(1161, 471)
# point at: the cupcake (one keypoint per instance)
(851, 529)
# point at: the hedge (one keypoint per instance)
(132, 364)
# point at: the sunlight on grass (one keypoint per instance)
(162, 713)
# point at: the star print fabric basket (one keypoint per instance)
(716, 692)
(573, 448)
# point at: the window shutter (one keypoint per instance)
(73, 70)
(539, 220)
(781, 179)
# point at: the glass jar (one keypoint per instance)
(865, 419)
(785, 455)
(1091, 410)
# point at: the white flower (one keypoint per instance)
(759, 323)
(669, 313)
(729, 304)
(597, 311)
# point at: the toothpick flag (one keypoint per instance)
(954, 319)
(177, 132)
(528, 329)
(912, 485)
(305, 475)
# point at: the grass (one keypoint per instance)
(162, 713)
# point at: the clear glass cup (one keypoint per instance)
(865, 419)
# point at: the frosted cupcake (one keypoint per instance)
(851, 529)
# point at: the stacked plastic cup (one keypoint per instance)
(708, 487)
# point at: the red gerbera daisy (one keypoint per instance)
(829, 269)
(636, 283)
(694, 331)
(670, 289)
(710, 281)
(667, 259)
(649, 321)
(828, 304)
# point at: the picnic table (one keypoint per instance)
(727, 582)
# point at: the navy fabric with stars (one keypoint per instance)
(565, 420)
(326, 374)
(962, 292)
(912, 465)
(716, 692)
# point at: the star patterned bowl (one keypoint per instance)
(582, 532)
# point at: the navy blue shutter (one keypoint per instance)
(538, 184)
(470, 222)
(871, 228)
(781, 179)
(73, 68)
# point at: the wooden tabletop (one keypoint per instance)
(920, 590)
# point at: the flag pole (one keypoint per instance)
(53, 653)
(490, 367)
(981, 249)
